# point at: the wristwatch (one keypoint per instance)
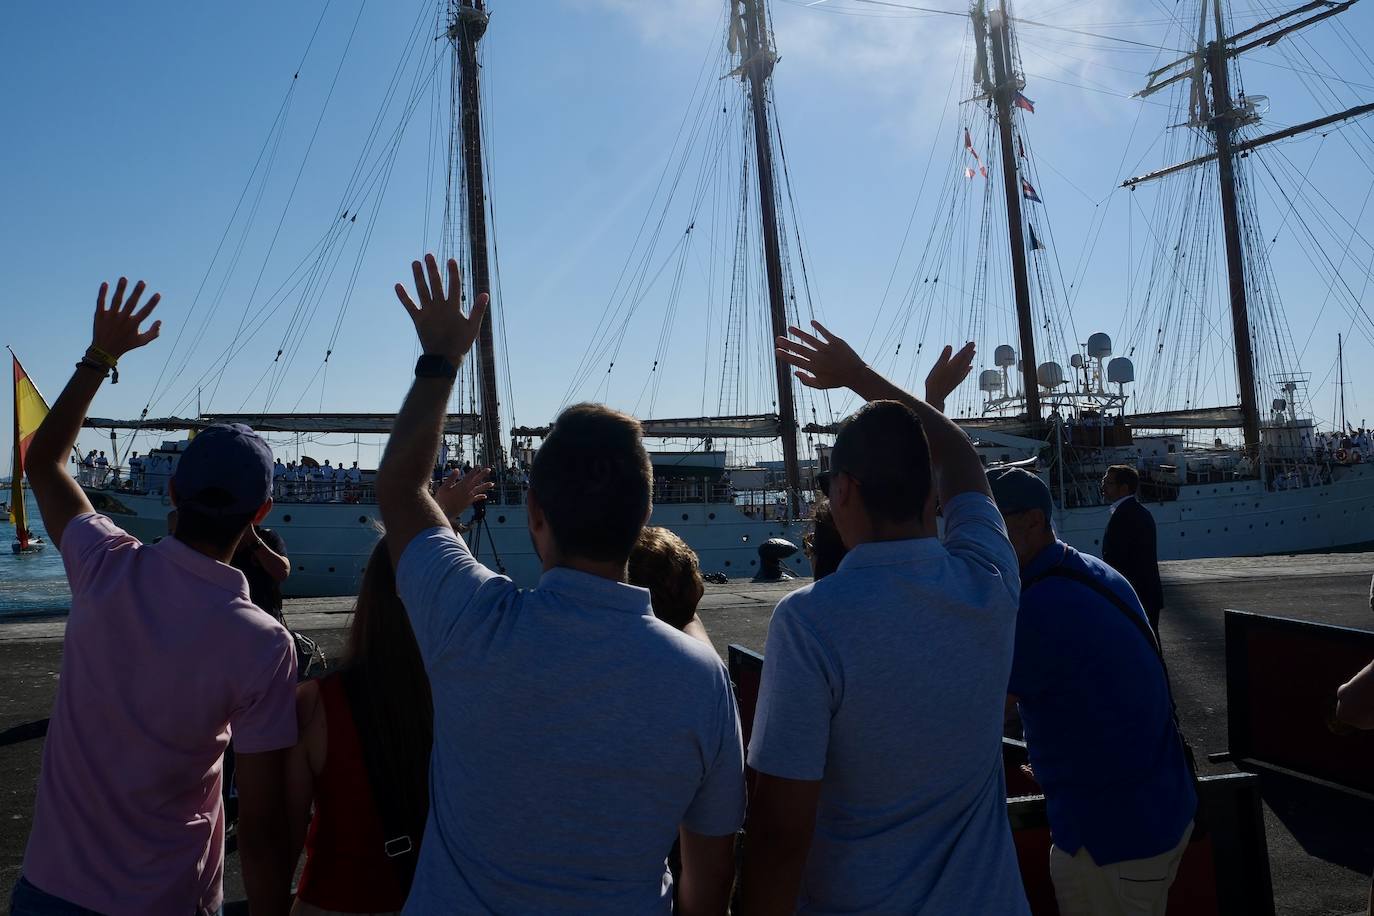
(433, 365)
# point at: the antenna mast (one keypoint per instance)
(467, 25)
(756, 68)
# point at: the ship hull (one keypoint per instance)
(329, 542)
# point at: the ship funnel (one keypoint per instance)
(1099, 345)
(1004, 356)
(1050, 375)
(990, 381)
(1121, 370)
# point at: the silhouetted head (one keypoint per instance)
(879, 484)
(664, 564)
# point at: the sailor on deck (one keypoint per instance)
(278, 478)
(136, 471)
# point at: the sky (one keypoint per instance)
(135, 129)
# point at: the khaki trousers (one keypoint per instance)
(1138, 887)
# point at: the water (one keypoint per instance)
(32, 583)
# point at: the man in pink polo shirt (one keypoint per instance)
(164, 659)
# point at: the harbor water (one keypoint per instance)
(31, 584)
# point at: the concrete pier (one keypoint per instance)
(1321, 843)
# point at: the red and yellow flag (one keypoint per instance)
(29, 411)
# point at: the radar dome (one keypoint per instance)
(1076, 361)
(1121, 370)
(989, 380)
(1099, 345)
(1280, 405)
(1004, 356)
(1050, 375)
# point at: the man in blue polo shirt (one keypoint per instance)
(1099, 720)
(575, 734)
(878, 732)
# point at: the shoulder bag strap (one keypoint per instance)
(400, 844)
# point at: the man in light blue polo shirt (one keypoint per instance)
(878, 732)
(575, 735)
(1099, 719)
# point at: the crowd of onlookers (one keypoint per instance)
(576, 746)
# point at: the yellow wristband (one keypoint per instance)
(101, 356)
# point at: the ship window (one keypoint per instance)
(745, 538)
(684, 516)
(727, 562)
(711, 516)
(751, 562)
(500, 519)
(300, 569)
(362, 520)
(286, 518)
(331, 569)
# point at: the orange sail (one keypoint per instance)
(29, 411)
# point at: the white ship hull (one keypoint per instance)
(329, 542)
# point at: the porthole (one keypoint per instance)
(711, 516)
(684, 516)
(362, 520)
(752, 562)
(331, 569)
(500, 519)
(300, 569)
(286, 518)
(745, 538)
(727, 562)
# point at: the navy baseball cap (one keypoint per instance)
(226, 470)
(1016, 490)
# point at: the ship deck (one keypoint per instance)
(1320, 844)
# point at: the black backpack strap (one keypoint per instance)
(401, 841)
(1059, 571)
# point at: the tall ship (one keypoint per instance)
(1251, 475)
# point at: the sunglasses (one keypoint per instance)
(824, 478)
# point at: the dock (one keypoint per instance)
(1321, 842)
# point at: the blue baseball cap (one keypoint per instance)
(1016, 490)
(226, 470)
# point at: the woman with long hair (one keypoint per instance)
(362, 760)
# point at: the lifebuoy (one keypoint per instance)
(1341, 455)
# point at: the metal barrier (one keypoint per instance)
(1281, 681)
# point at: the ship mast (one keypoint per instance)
(756, 69)
(1003, 89)
(1224, 120)
(467, 25)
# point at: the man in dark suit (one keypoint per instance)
(1128, 545)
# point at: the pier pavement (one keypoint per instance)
(1321, 843)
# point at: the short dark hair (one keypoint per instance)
(823, 543)
(1125, 475)
(196, 526)
(664, 564)
(593, 480)
(883, 446)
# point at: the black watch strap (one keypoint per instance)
(432, 365)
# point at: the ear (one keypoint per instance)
(172, 491)
(841, 490)
(262, 511)
(533, 512)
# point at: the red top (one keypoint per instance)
(345, 868)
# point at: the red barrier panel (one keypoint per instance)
(1281, 678)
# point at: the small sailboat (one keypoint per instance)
(29, 411)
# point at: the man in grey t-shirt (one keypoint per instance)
(575, 735)
(878, 731)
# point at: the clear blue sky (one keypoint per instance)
(131, 130)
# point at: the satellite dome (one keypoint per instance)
(1076, 361)
(1121, 370)
(1004, 356)
(1050, 375)
(1099, 345)
(989, 380)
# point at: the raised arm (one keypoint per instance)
(827, 361)
(408, 462)
(458, 491)
(114, 333)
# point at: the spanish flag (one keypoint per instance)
(29, 411)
